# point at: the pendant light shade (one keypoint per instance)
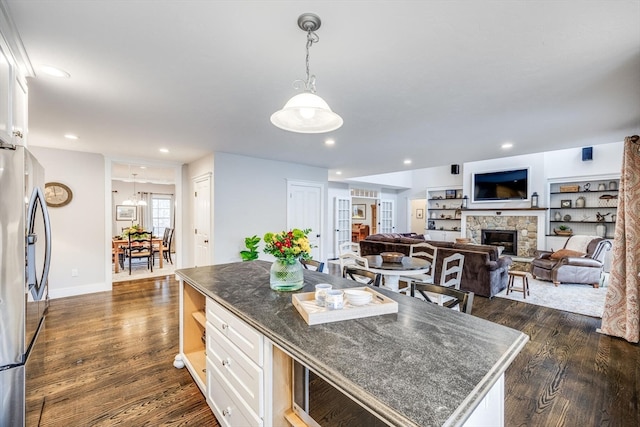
(307, 112)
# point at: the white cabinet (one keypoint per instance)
(235, 375)
(13, 91)
(19, 111)
(5, 91)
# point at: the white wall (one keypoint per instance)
(537, 178)
(418, 225)
(78, 229)
(607, 160)
(250, 197)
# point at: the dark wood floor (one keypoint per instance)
(109, 362)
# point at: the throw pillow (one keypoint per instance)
(566, 252)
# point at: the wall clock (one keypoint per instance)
(57, 194)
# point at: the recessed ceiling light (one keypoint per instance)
(330, 142)
(70, 136)
(338, 172)
(407, 162)
(164, 150)
(507, 145)
(143, 167)
(55, 72)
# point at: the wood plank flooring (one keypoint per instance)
(109, 362)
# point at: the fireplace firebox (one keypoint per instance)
(508, 239)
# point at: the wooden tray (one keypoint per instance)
(305, 303)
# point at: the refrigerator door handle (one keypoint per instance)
(37, 287)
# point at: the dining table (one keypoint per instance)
(391, 271)
(120, 244)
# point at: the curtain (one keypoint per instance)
(621, 317)
(146, 211)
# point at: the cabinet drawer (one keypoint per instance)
(239, 371)
(244, 336)
(229, 409)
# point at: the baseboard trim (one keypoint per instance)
(79, 290)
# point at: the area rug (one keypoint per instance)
(575, 298)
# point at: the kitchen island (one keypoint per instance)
(423, 366)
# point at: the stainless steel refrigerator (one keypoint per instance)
(25, 254)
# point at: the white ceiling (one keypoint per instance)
(437, 82)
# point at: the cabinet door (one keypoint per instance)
(19, 116)
(5, 94)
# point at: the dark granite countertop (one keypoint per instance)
(425, 365)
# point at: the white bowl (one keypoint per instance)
(358, 297)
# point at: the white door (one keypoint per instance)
(342, 222)
(304, 210)
(202, 219)
(386, 219)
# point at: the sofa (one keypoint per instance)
(485, 272)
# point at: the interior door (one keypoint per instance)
(304, 210)
(342, 222)
(202, 220)
(387, 220)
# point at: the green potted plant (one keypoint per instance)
(251, 252)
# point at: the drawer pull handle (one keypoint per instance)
(226, 362)
(226, 412)
(225, 326)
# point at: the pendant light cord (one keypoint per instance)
(310, 84)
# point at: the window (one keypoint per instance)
(161, 213)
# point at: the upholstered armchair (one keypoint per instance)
(580, 261)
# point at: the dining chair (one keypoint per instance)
(166, 245)
(427, 252)
(451, 297)
(351, 258)
(452, 271)
(347, 247)
(167, 238)
(140, 246)
(361, 275)
(449, 277)
(318, 265)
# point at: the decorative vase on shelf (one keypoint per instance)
(581, 202)
(286, 277)
(601, 230)
(558, 216)
(613, 185)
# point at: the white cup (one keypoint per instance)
(334, 299)
(321, 293)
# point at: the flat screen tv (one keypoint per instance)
(501, 185)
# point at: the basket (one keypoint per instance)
(562, 232)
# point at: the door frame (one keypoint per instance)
(108, 218)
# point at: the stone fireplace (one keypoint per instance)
(507, 239)
(525, 225)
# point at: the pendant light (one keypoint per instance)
(307, 112)
(134, 200)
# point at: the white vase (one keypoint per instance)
(601, 230)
